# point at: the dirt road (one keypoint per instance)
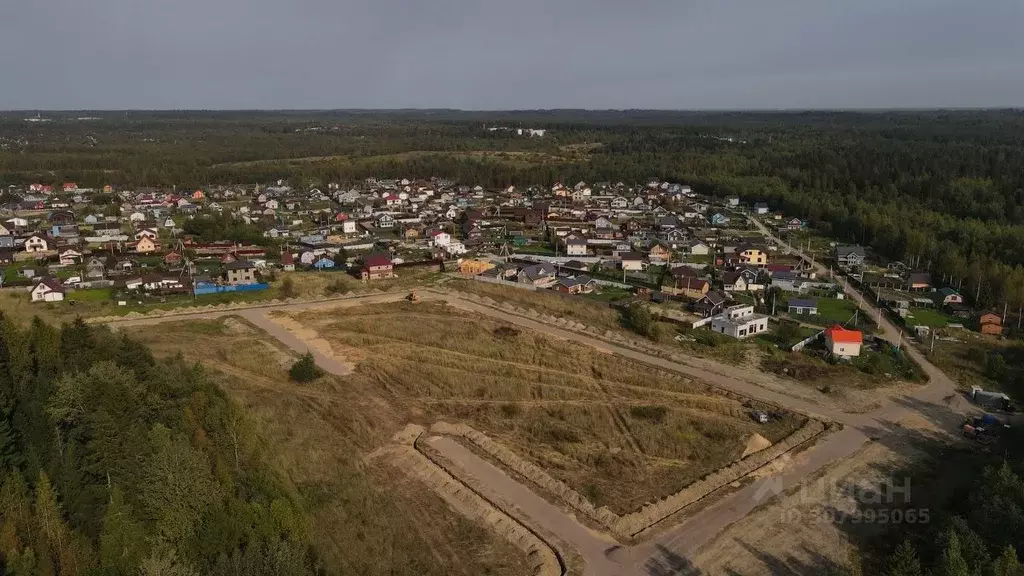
(672, 549)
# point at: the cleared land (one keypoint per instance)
(365, 519)
(620, 433)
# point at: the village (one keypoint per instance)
(699, 261)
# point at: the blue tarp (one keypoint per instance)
(215, 289)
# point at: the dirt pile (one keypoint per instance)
(755, 443)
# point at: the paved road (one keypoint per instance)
(672, 548)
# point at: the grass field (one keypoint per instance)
(930, 318)
(618, 432)
(365, 518)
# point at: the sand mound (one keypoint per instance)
(756, 443)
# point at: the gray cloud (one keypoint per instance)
(487, 54)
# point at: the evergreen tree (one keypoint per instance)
(305, 369)
(1007, 564)
(952, 562)
(122, 544)
(904, 561)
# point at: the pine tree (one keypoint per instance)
(904, 561)
(122, 545)
(952, 562)
(10, 458)
(1007, 564)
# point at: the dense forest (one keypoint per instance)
(117, 464)
(942, 191)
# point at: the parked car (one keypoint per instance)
(760, 417)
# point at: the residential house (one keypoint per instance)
(631, 261)
(69, 257)
(690, 287)
(36, 243)
(947, 296)
(842, 342)
(575, 284)
(470, 267)
(696, 248)
(385, 221)
(145, 245)
(919, 281)
(761, 208)
(240, 272)
(710, 304)
(376, 267)
(990, 323)
(288, 261)
(794, 224)
(849, 256)
(739, 322)
(733, 201)
(734, 282)
(752, 255)
(802, 307)
(575, 246)
(537, 274)
(439, 238)
(659, 254)
(48, 289)
(323, 263)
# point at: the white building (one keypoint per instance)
(48, 290)
(36, 244)
(739, 322)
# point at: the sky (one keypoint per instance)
(510, 54)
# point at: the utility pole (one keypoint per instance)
(932, 348)
(899, 340)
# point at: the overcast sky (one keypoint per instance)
(510, 54)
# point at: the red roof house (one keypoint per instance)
(843, 342)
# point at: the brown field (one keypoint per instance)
(618, 432)
(364, 518)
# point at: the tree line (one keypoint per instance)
(115, 464)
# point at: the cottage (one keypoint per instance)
(659, 254)
(575, 246)
(69, 257)
(919, 281)
(323, 263)
(739, 322)
(752, 255)
(240, 272)
(802, 307)
(842, 342)
(575, 285)
(761, 208)
(947, 296)
(47, 290)
(849, 256)
(631, 261)
(36, 244)
(287, 261)
(709, 304)
(734, 282)
(385, 221)
(990, 323)
(696, 248)
(377, 266)
(691, 287)
(145, 245)
(537, 274)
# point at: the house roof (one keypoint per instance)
(52, 283)
(919, 278)
(691, 283)
(713, 298)
(839, 334)
(731, 277)
(844, 251)
(239, 265)
(375, 260)
(803, 303)
(680, 271)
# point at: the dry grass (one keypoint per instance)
(365, 518)
(619, 432)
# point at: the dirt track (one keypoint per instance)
(673, 548)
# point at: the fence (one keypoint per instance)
(214, 289)
(801, 344)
